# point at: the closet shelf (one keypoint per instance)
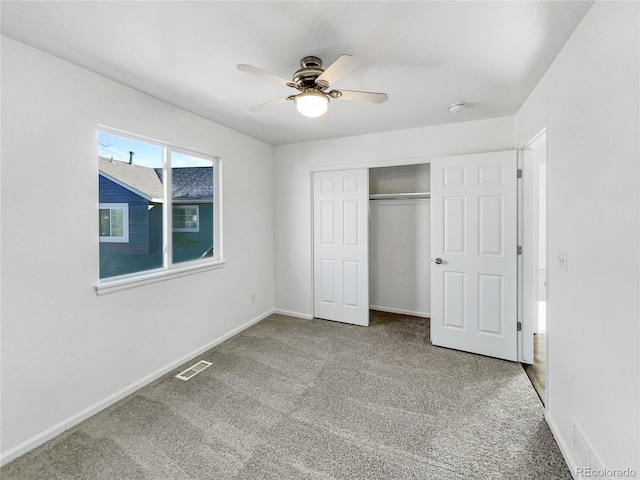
(398, 196)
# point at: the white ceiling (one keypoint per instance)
(425, 55)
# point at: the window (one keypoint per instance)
(185, 218)
(114, 222)
(158, 208)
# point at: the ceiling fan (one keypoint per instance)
(312, 81)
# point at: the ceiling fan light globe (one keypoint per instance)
(312, 104)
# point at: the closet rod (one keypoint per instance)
(398, 196)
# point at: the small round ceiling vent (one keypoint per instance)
(457, 107)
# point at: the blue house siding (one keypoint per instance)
(141, 252)
(155, 226)
(111, 192)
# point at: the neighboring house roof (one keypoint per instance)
(189, 183)
(142, 181)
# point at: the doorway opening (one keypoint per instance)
(535, 281)
(399, 240)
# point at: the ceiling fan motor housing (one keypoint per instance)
(306, 76)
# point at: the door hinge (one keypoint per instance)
(519, 173)
(519, 326)
(519, 249)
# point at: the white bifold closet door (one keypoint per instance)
(341, 246)
(474, 253)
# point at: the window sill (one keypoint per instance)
(105, 287)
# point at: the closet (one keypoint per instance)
(374, 230)
(399, 239)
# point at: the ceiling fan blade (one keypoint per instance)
(338, 69)
(272, 103)
(263, 73)
(357, 96)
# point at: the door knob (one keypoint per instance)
(438, 261)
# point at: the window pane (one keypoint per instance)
(130, 174)
(105, 222)
(192, 228)
(191, 218)
(178, 218)
(117, 224)
(185, 218)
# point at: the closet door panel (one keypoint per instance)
(454, 221)
(340, 246)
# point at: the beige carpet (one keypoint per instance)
(298, 399)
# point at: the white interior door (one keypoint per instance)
(474, 253)
(341, 246)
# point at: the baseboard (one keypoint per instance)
(306, 316)
(400, 311)
(74, 420)
(565, 449)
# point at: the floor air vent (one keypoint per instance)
(193, 370)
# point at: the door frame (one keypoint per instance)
(526, 209)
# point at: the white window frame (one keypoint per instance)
(170, 270)
(124, 238)
(187, 229)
